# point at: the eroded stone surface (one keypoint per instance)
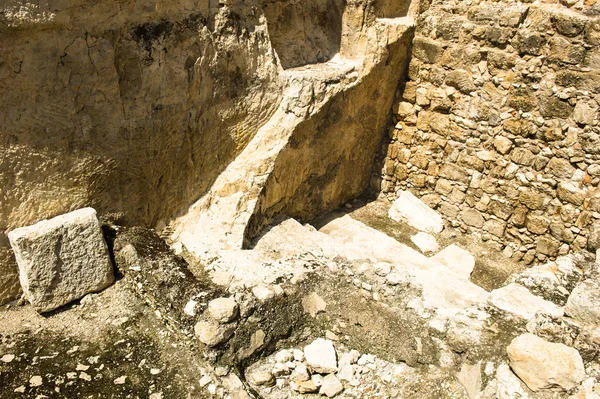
(62, 259)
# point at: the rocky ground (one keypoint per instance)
(348, 307)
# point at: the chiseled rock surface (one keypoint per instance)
(584, 302)
(542, 364)
(416, 213)
(62, 259)
(321, 356)
(519, 301)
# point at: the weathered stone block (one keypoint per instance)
(62, 259)
(542, 364)
(554, 107)
(472, 217)
(522, 156)
(569, 192)
(427, 50)
(547, 246)
(567, 22)
(561, 168)
(529, 42)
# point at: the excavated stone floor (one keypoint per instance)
(401, 324)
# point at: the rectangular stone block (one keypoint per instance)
(62, 259)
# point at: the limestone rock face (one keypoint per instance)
(62, 259)
(416, 213)
(542, 364)
(138, 108)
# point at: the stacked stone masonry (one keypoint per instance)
(497, 126)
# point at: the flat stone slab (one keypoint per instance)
(62, 259)
(411, 210)
(519, 301)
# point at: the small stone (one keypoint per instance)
(313, 304)
(263, 293)
(223, 310)
(321, 356)
(156, 395)
(542, 364)
(212, 333)
(7, 358)
(85, 376)
(121, 380)
(35, 381)
(205, 380)
(20, 389)
(456, 260)
(298, 355)
(304, 386)
(155, 371)
(470, 378)
(284, 356)
(425, 242)
(190, 308)
(509, 385)
(280, 369)
(301, 373)
(331, 386)
(382, 269)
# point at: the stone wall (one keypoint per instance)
(498, 127)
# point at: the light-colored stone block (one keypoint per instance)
(416, 213)
(62, 259)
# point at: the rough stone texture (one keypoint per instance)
(542, 364)
(321, 356)
(413, 211)
(425, 242)
(584, 302)
(505, 106)
(62, 259)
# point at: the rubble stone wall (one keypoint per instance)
(498, 127)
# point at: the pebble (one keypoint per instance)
(7, 358)
(205, 380)
(120, 380)
(85, 376)
(35, 381)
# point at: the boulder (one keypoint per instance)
(584, 302)
(416, 213)
(542, 364)
(62, 259)
(321, 356)
(520, 302)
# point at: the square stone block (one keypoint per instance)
(62, 259)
